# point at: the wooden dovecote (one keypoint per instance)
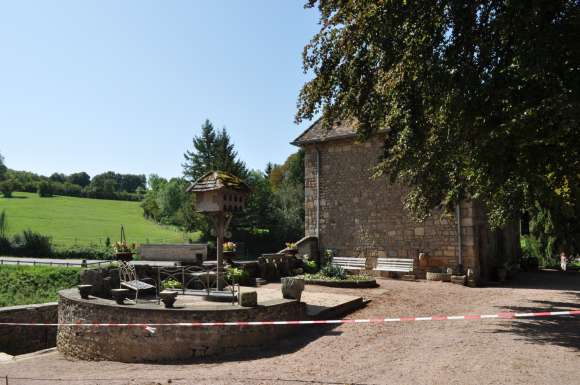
(219, 191)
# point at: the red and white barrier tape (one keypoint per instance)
(309, 322)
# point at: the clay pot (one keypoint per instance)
(168, 297)
(85, 290)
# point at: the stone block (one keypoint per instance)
(419, 231)
(458, 279)
(249, 298)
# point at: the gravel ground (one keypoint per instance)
(534, 351)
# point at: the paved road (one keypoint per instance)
(70, 262)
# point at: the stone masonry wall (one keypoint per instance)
(169, 343)
(361, 217)
(16, 340)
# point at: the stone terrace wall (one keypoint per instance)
(360, 217)
(16, 340)
(167, 344)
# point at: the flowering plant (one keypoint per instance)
(230, 246)
(123, 247)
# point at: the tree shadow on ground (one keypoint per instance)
(558, 330)
(543, 279)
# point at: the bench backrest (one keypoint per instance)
(395, 264)
(347, 262)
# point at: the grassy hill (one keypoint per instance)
(84, 221)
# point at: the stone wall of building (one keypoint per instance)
(15, 340)
(362, 217)
(169, 343)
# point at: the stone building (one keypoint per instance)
(356, 216)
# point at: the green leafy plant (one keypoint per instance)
(236, 275)
(333, 271)
(45, 189)
(22, 285)
(171, 284)
(310, 266)
(32, 244)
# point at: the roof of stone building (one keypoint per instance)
(216, 180)
(317, 133)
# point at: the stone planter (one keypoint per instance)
(168, 297)
(444, 277)
(119, 295)
(458, 279)
(85, 290)
(292, 288)
(248, 299)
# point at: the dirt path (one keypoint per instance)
(539, 351)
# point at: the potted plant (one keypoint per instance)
(229, 251)
(123, 252)
(168, 297)
(291, 248)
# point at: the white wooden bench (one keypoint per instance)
(397, 265)
(348, 263)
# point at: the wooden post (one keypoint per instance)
(219, 229)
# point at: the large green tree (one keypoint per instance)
(479, 99)
(3, 169)
(212, 150)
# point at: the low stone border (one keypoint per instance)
(346, 284)
(17, 340)
(166, 344)
(431, 276)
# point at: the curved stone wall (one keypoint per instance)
(167, 344)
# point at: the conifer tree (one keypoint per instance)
(212, 151)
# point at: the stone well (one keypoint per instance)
(169, 343)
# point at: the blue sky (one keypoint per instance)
(124, 85)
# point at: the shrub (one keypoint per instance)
(236, 275)
(333, 271)
(45, 189)
(23, 285)
(83, 252)
(32, 244)
(310, 266)
(7, 187)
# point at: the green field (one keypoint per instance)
(83, 221)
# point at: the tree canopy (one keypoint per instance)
(212, 150)
(3, 169)
(479, 99)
